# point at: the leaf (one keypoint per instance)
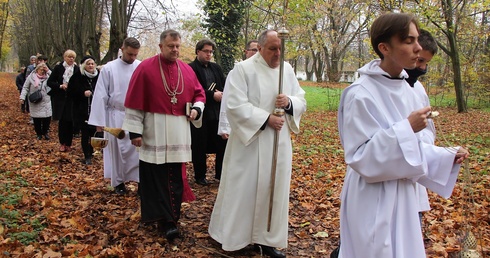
(321, 234)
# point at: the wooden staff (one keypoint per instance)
(278, 111)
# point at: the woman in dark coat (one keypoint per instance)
(62, 103)
(81, 88)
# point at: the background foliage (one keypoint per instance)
(328, 39)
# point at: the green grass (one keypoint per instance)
(449, 100)
(322, 98)
(23, 225)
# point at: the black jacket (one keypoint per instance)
(212, 108)
(20, 80)
(76, 90)
(61, 102)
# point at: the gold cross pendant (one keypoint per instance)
(173, 100)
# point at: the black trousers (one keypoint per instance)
(41, 125)
(87, 132)
(206, 140)
(161, 189)
(65, 132)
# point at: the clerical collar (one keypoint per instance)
(392, 78)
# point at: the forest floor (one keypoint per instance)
(52, 205)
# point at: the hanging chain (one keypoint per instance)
(469, 242)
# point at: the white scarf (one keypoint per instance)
(68, 71)
(90, 75)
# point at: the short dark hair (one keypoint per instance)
(131, 42)
(171, 33)
(247, 46)
(205, 42)
(427, 42)
(42, 57)
(388, 25)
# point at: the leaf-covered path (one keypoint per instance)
(52, 205)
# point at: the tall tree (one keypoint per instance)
(121, 12)
(4, 14)
(329, 28)
(225, 18)
(447, 16)
(51, 27)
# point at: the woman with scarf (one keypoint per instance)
(62, 103)
(40, 111)
(81, 88)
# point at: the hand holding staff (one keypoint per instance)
(278, 111)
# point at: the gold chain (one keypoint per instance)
(180, 81)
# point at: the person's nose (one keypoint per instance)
(417, 47)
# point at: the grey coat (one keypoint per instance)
(43, 108)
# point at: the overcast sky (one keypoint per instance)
(186, 6)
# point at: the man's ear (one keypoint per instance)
(384, 48)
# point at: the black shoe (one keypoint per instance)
(270, 251)
(120, 189)
(88, 161)
(46, 137)
(202, 181)
(171, 233)
(39, 137)
(77, 135)
(168, 229)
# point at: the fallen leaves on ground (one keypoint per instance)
(52, 205)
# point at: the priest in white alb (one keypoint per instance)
(240, 214)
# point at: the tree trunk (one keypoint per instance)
(120, 13)
(308, 70)
(458, 85)
(318, 67)
(4, 14)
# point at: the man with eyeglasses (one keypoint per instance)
(204, 139)
(251, 48)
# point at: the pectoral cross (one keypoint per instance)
(173, 100)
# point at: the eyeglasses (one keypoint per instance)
(207, 51)
(252, 49)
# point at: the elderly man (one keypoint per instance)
(240, 214)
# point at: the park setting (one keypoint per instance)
(54, 204)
